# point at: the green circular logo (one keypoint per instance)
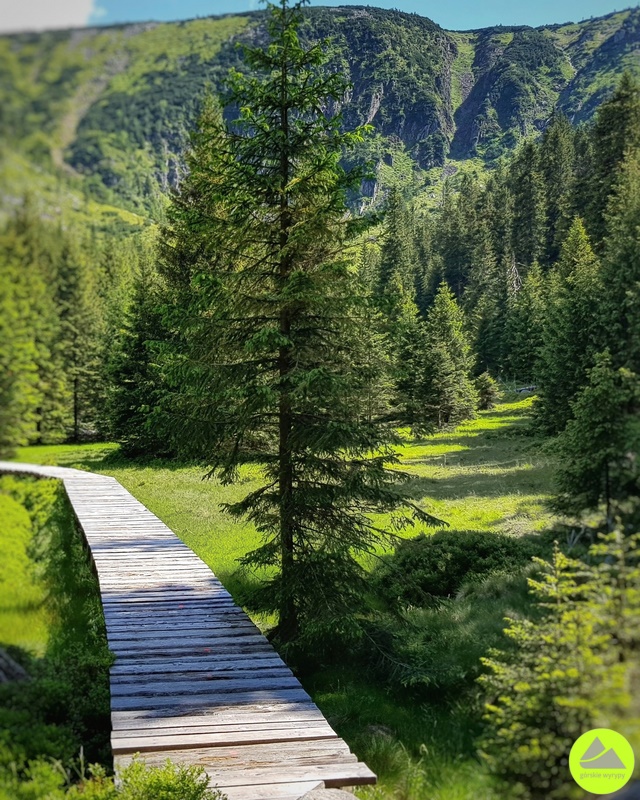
(601, 761)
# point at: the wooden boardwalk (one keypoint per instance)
(194, 680)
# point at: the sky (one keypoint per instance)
(17, 15)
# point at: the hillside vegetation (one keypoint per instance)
(104, 114)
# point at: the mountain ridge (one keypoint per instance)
(108, 110)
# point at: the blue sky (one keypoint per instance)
(452, 14)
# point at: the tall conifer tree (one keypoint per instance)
(620, 303)
(529, 225)
(557, 166)
(79, 333)
(572, 331)
(617, 130)
(445, 391)
(276, 355)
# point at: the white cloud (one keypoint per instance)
(36, 15)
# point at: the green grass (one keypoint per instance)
(23, 617)
(462, 67)
(486, 475)
(54, 623)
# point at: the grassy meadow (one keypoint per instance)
(487, 475)
(490, 474)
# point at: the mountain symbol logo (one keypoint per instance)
(600, 757)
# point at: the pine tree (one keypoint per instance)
(557, 167)
(529, 226)
(599, 448)
(137, 389)
(524, 327)
(445, 391)
(572, 332)
(616, 131)
(620, 303)
(274, 354)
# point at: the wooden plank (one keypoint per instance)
(225, 738)
(209, 701)
(282, 791)
(211, 727)
(334, 775)
(198, 630)
(220, 662)
(257, 756)
(203, 671)
(267, 713)
(207, 685)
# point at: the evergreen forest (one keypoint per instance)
(369, 341)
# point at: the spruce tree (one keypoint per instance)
(498, 214)
(137, 390)
(79, 333)
(599, 448)
(33, 247)
(616, 131)
(397, 256)
(489, 315)
(620, 302)
(557, 167)
(529, 225)
(19, 394)
(274, 355)
(524, 327)
(445, 389)
(571, 332)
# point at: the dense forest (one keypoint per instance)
(274, 317)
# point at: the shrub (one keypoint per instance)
(440, 648)
(426, 568)
(44, 780)
(169, 782)
(570, 671)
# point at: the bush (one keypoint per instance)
(45, 780)
(169, 782)
(570, 671)
(427, 568)
(440, 648)
(488, 392)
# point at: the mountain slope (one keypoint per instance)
(108, 111)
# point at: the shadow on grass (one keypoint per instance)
(524, 480)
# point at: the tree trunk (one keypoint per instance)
(76, 411)
(288, 623)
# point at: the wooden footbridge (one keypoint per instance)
(194, 680)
